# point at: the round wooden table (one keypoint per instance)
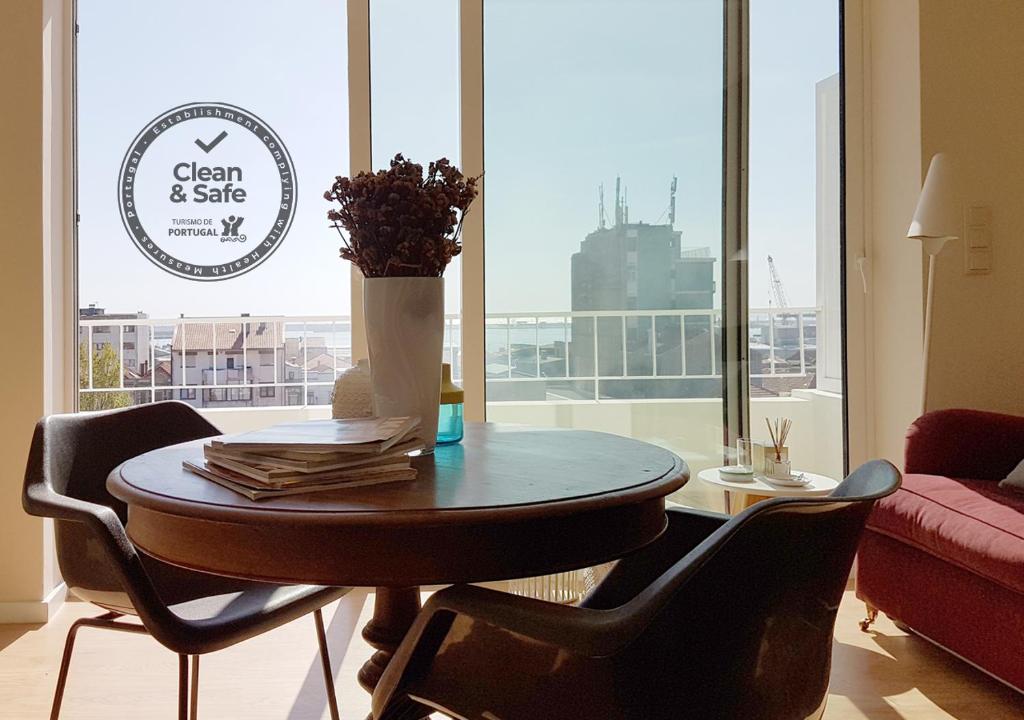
(507, 502)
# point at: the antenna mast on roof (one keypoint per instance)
(672, 203)
(600, 207)
(618, 201)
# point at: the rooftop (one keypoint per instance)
(227, 336)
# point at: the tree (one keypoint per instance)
(106, 373)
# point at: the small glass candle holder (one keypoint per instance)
(745, 454)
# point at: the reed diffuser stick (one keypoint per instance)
(779, 432)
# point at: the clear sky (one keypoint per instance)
(577, 92)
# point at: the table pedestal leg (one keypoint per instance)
(394, 610)
(735, 503)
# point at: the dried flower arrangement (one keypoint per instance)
(779, 433)
(400, 222)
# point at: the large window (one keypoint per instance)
(660, 203)
(603, 228)
(604, 237)
(206, 137)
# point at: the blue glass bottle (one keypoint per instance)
(449, 418)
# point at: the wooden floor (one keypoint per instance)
(885, 675)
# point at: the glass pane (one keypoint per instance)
(667, 329)
(639, 345)
(699, 345)
(794, 175)
(553, 337)
(201, 168)
(603, 148)
(498, 348)
(414, 56)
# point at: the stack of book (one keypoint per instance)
(312, 456)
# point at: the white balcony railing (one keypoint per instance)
(294, 360)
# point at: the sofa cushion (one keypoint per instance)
(1015, 480)
(974, 524)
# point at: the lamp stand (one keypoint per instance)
(932, 246)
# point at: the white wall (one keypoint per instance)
(32, 281)
(972, 107)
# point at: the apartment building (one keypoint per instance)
(130, 341)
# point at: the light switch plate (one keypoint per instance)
(978, 239)
(979, 261)
(979, 236)
(979, 215)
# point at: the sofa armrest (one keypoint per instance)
(965, 444)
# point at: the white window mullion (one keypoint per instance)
(857, 210)
(471, 130)
(359, 141)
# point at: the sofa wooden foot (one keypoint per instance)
(872, 615)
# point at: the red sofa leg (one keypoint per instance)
(872, 615)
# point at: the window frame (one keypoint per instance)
(734, 357)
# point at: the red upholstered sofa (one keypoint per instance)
(944, 555)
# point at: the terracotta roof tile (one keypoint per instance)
(229, 336)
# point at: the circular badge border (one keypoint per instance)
(124, 166)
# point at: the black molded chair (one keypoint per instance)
(190, 613)
(720, 618)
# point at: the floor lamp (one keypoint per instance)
(936, 221)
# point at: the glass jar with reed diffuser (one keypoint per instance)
(777, 463)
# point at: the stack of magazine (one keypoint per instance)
(312, 456)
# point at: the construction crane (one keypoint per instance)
(776, 282)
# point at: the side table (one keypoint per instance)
(741, 494)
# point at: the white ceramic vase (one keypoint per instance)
(405, 337)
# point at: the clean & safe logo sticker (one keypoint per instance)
(207, 191)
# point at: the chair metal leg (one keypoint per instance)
(182, 687)
(188, 687)
(65, 665)
(194, 702)
(107, 620)
(325, 662)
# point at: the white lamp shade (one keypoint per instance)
(936, 214)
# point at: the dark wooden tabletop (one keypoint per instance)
(508, 501)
